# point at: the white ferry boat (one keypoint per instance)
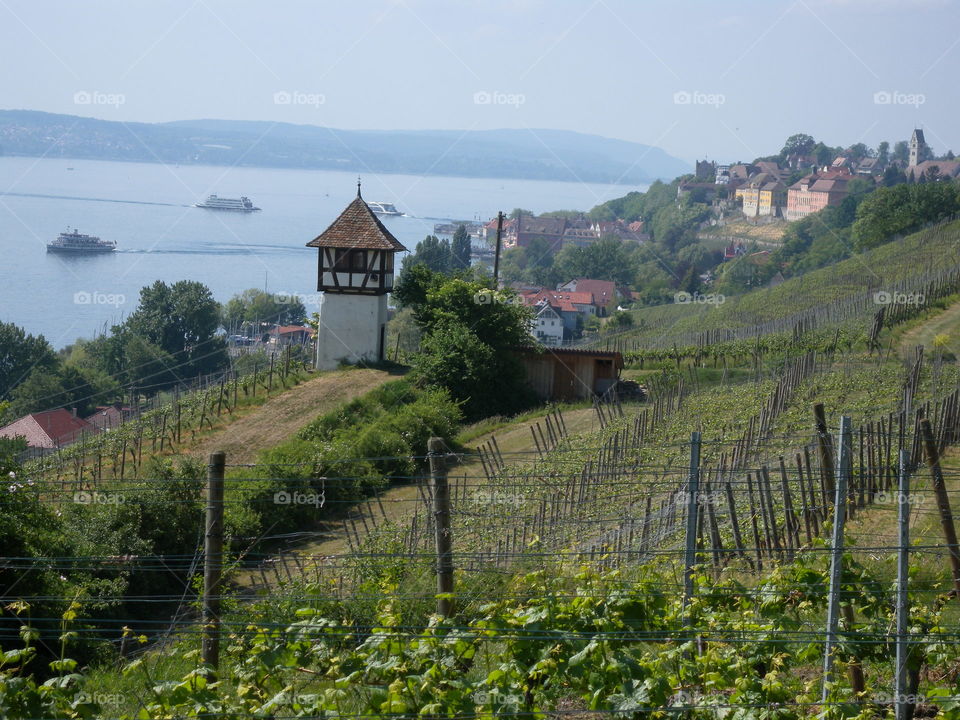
(73, 241)
(242, 204)
(383, 208)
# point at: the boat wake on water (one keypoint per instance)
(88, 199)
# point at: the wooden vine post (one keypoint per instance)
(441, 514)
(213, 560)
(836, 554)
(943, 501)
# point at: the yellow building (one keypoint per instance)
(763, 195)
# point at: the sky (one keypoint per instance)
(723, 80)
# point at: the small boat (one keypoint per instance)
(383, 208)
(73, 241)
(242, 204)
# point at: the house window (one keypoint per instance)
(358, 260)
(349, 260)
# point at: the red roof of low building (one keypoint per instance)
(559, 299)
(603, 291)
(110, 416)
(291, 329)
(357, 227)
(48, 429)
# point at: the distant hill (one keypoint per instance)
(529, 154)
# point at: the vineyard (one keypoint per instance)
(768, 535)
(843, 295)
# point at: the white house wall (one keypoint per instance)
(350, 329)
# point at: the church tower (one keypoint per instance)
(354, 273)
(917, 148)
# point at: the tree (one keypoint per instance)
(883, 154)
(858, 151)
(65, 387)
(181, 320)
(901, 152)
(460, 248)
(20, 354)
(893, 175)
(891, 211)
(254, 305)
(468, 329)
(798, 144)
(431, 252)
(517, 212)
(606, 259)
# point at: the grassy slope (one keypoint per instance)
(282, 415)
(927, 250)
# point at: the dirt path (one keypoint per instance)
(399, 502)
(281, 416)
(946, 323)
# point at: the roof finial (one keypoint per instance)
(358, 186)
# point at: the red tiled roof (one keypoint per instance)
(290, 329)
(558, 299)
(603, 291)
(48, 429)
(357, 227)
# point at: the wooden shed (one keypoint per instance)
(570, 374)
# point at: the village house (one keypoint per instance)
(107, 417)
(604, 292)
(572, 307)
(762, 195)
(547, 325)
(934, 170)
(815, 192)
(286, 335)
(49, 430)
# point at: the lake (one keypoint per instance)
(146, 209)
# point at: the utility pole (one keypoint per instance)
(213, 560)
(441, 514)
(496, 257)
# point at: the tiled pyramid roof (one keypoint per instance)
(357, 227)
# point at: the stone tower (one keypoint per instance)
(917, 148)
(354, 273)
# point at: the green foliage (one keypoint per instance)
(606, 259)
(891, 211)
(468, 330)
(453, 356)
(20, 354)
(432, 253)
(45, 389)
(360, 446)
(181, 319)
(460, 248)
(800, 143)
(256, 306)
